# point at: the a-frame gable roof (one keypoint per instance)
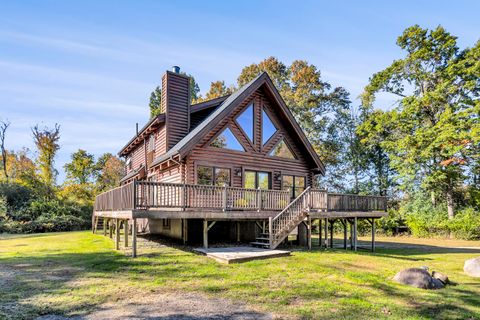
(184, 146)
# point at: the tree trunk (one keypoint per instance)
(432, 196)
(450, 206)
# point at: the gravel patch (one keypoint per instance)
(170, 306)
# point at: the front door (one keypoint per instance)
(257, 180)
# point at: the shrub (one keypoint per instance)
(466, 224)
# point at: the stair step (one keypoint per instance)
(260, 244)
(262, 238)
(264, 234)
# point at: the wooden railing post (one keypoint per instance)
(225, 200)
(134, 200)
(259, 199)
(184, 196)
(270, 232)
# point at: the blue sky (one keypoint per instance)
(91, 65)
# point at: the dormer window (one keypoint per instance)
(245, 120)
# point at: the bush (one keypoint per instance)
(466, 224)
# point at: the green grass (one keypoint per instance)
(72, 273)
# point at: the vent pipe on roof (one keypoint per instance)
(176, 69)
(137, 127)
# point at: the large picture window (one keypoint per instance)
(295, 184)
(245, 120)
(213, 176)
(268, 128)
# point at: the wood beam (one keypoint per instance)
(309, 233)
(344, 234)
(325, 227)
(134, 238)
(355, 234)
(206, 228)
(332, 223)
(105, 221)
(320, 233)
(125, 232)
(117, 234)
(238, 231)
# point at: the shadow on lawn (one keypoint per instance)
(22, 279)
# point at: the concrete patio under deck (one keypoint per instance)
(240, 254)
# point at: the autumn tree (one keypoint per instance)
(218, 89)
(311, 100)
(435, 127)
(109, 171)
(3, 131)
(81, 168)
(46, 140)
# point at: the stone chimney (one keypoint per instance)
(175, 105)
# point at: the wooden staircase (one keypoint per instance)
(283, 223)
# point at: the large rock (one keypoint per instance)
(418, 278)
(472, 267)
(440, 276)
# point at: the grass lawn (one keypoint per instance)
(73, 273)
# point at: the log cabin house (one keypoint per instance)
(233, 169)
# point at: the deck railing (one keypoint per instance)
(147, 195)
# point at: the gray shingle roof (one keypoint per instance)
(230, 100)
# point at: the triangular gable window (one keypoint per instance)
(268, 128)
(227, 140)
(245, 120)
(282, 150)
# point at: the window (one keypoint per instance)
(151, 143)
(257, 180)
(166, 224)
(296, 184)
(282, 150)
(245, 120)
(213, 176)
(227, 140)
(268, 128)
(128, 163)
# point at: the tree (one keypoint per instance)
(3, 129)
(155, 102)
(435, 125)
(82, 167)
(46, 141)
(21, 168)
(109, 171)
(218, 89)
(310, 99)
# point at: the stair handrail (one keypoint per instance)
(273, 238)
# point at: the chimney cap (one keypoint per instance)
(176, 69)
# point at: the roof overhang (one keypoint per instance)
(142, 134)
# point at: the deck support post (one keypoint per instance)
(110, 228)
(309, 233)
(117, 234)
(206, 227)
(320, 233)
(344, 233)
(332, 223)
(373, 234)
(355, 233)
(351, 234)
(270, 232)
(184, 231)
(325, 227)
(95, 224)
(125, 232)
(134, 238)
(105, 221)
(238, 231)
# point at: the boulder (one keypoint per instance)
(418, 278)
(472, 267)
(440, 276)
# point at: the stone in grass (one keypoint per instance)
(472, 267)
(418, 278)
(440, 276)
